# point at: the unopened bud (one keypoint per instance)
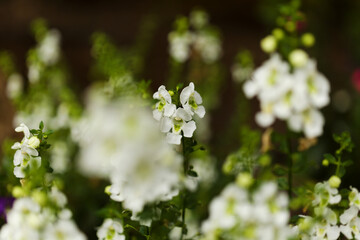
(334, 181)
(308, 39)
(325, 162)
(17, 192)
(107, 190)
(278, 33)
(298, 58)
(244, 180)
(34, 142)
(268, 44)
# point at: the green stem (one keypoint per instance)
(184, 192)
(290, 167)
(338, 166)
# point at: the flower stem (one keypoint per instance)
(184, 192)
(290, 167)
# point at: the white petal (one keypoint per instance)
(200, 111)
(18, 157)
(157, 114)
(198, 98)
(332, 232)
(169, 110)
(282, 110)
(264, 119)
(250, 89)
(165, 124)
(295, 122)
(183, 114)
(189, 129)
(31, 151)
(173, 138)
(16, 145)
(18, 172)
(346, 230)
(165, 94)
(348, 215)
(186, 93)
(156, 95)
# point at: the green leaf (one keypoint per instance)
(41, 125)
(330, 158)
(192, 173)
(280, 170)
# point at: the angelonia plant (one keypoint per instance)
(126, 162)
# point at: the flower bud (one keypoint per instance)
(39, 197)
(334, 181)
(17, 192)
(308, 40)
(244, 180)
(171, 93)
(278, 33)
(298, 58)
(107, 190)
(268, 44)
(325, 162)
(34, 142)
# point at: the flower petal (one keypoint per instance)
(264, 119)
(165, 124)
(186, 93)
(189, 129)
(169, 110)
(200, 111)
(183, 114)
(157, 114)
(173, 138)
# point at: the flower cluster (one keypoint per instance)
(202, 40)
(109, 135)
(111, 229)
(39, 222)
(293, 96)
(325, 224)
(262, 215)
(26, 155)
(177, 122)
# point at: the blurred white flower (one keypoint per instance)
(180, 46)
(234, 214)
(49, 47)
(111, 229)
(109, 148)
(208, 45)
(14, 86)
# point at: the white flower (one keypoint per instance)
(235, 214)
(191, 100)
(164, 107)
(180, 46)
(26, 154)
(317, 86)
(109, 148)
(354, 197)
(49, 48)
(179, 122)
(111, 229)
(208, 45)
(351, 223)
(14, 86)
(63, 230)
(311, 121)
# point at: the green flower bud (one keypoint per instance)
(325, 162)
(39, 197)
(278, 33)
(18, 192)
(107, 190)
(34, 142)
(171, 93)
(290, 26)
(268, 44)
(265, 160)
(298, 58)
(244, 180)
(308, 40)
(334, 181)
